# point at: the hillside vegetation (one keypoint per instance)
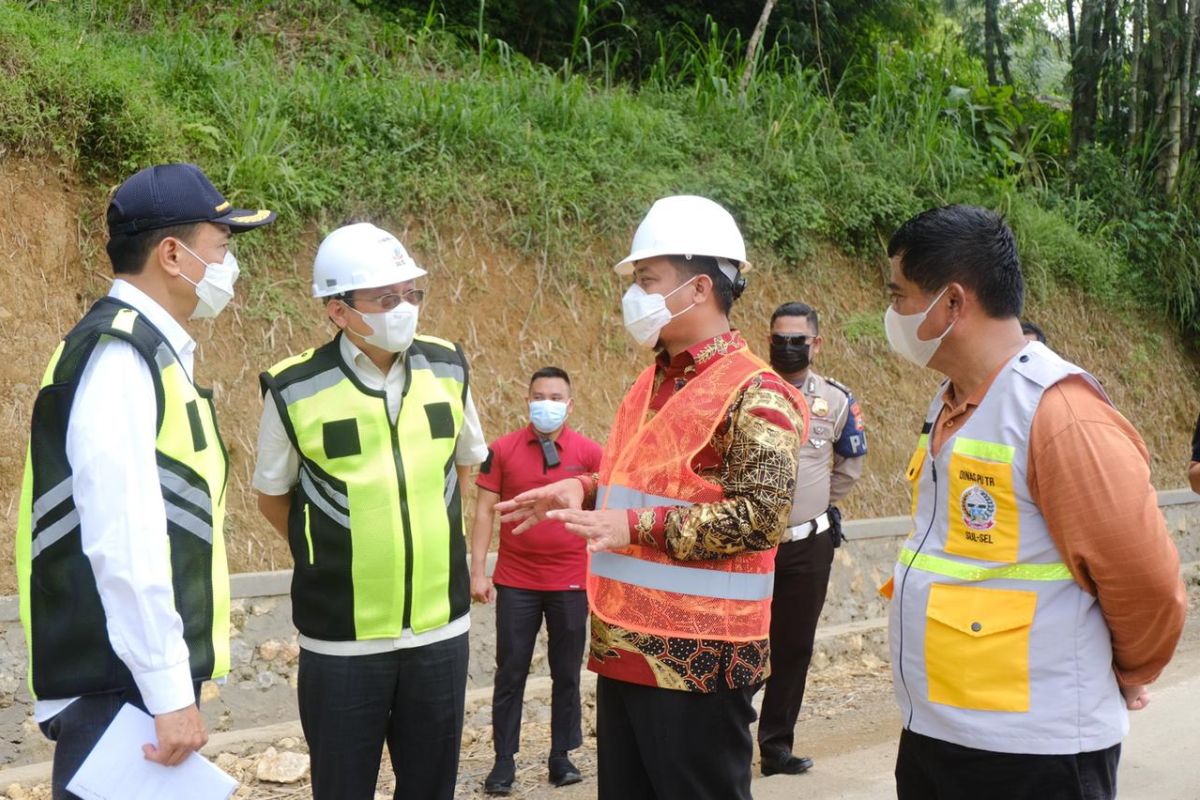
(518, 184)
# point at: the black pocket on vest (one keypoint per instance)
(341, 438)
(199, 440)
(441, 420)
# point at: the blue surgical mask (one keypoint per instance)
(547, 416)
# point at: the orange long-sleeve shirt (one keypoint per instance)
(1089, 474)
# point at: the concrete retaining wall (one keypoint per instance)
(260, 689)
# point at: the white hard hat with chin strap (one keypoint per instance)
(361, 256)
(687, 225)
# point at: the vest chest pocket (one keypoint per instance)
(340, 438)
(913, 473)
(977, 647)
(983, 518)
(441, 420)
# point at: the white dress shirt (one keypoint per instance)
(278, 468)
(111, 443)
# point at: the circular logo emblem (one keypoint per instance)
(978, 508)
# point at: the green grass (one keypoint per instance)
(325, 112)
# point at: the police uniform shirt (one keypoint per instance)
(111, 445)
(278, 468)
(831, 461)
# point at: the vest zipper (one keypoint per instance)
(308, 535)
(404, 520)
(904, 585)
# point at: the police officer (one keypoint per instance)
(828, 466)
(364, 445)
(120, 550)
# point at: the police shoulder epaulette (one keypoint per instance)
(843, 388)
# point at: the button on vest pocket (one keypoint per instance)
(977, 647)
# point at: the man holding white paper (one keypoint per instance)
(120, 550)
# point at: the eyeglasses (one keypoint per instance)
(389, 301)
(789, 340)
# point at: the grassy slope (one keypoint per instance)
(517, 190)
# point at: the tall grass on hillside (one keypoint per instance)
(327, 112)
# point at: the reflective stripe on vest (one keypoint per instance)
(683, 580)
(968, 572)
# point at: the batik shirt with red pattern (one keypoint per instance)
(752, 456)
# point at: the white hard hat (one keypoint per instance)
(361, 256)
(687, 225)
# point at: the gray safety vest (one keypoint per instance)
(994, 645)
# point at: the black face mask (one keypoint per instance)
(788, 359)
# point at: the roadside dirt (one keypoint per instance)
(513, 315)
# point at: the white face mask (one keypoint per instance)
(215, 289)
(547, 416)
(902, 334)
(393, 330)
(647, 314)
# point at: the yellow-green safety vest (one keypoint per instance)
(375, 526)
(64, 621)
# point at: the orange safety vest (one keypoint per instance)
(648, 463)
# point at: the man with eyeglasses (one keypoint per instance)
(829, 464)
(364, 446)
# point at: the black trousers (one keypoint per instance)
(76, 729)
(801, 579)
(663, 744)
(931, 769)
(413, 699)
(519, 614)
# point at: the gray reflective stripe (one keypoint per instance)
(164, 356)
(53, 533)
(439, 368)
(185, 491)
(188, 521)
(314, 497)
(684, 580)
(300, 390)
(331, 494)
(451, 485)
(50, 499)
(624, 497)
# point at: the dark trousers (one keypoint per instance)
(663, 744)
(413, 699)
(76, 729)
(801, 578)
(931, 769)
(519, 614)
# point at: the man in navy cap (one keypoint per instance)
(120, 551)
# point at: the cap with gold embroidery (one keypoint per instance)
(175, 194)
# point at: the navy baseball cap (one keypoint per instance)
(175, 194)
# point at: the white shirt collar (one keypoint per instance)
(362, 364)
(179, 339)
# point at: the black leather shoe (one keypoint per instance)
(563, 772)
(500, 779)
(785, 764)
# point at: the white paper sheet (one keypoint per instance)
(116, 769)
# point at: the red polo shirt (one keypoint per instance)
(546, 557)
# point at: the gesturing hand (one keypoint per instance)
(604, 530)
(530, 508)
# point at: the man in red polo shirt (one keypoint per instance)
(539, 573)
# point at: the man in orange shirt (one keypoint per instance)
(1039, 592)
